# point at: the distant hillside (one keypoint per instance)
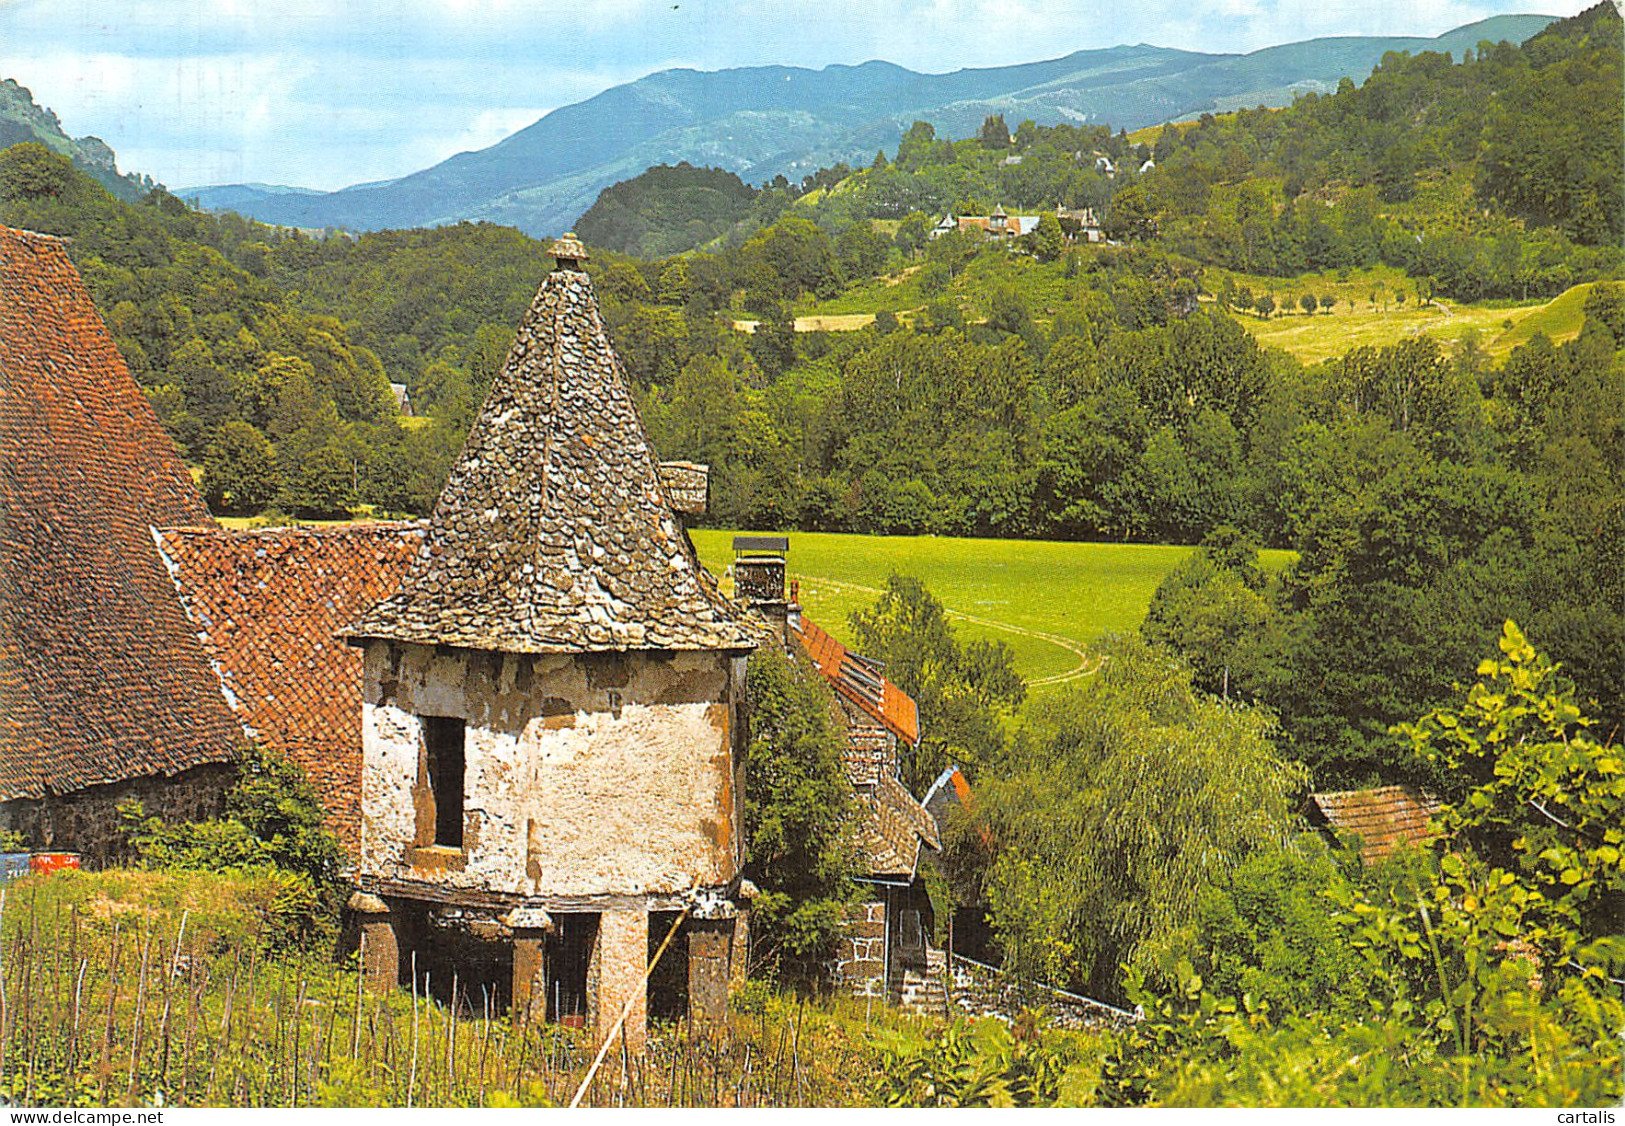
(762, 122)
(21, 120)
(666, 210)
(233, 197)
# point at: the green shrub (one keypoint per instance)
(272, 824)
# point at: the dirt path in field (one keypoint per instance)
(1086, 665)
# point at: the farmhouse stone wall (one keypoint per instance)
(569, 762)
(979, 990)
(860, 960)
(87, 821)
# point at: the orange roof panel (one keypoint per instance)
(858, 679)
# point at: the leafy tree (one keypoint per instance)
(240, 470)
(798, 810)
(962, 689)
(1328, 302)
(1131, 216)
(1265, 304)
(1046, 240)
(321, 485)
(1531, 788)
(1307, 302)
(1116, 807)
(1212, 610)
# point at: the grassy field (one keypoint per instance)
(1358, 321)
(1048, 600)
(1561, 319)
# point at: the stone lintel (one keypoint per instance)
(713, 899)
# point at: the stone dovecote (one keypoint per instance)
(553, 708)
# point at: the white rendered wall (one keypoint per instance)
(584, 775)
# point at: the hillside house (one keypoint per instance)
(552, 706)
(105, 691)
(1079, 224)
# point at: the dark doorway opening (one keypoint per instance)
(569, 965)
(462, 967)
(443, 742)
(668, 984)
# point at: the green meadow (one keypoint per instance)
(1048, 600)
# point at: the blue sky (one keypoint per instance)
(324, 93)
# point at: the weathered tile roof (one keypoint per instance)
(892, 824)
(858, 679)
(1381, 819)
(266, 604)
(102, 678)
(554, 533)
(892, 828)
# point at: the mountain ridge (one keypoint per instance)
(23, 120)
(777, 120)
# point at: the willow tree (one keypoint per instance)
(1117, 805)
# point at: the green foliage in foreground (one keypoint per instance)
(172, 989)
(272, 825)
(1116, 807)
(1488, 979)
(987, 1063)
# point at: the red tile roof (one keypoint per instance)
(266, 604)
(858, 679)
(101, 676)
(1381, 819)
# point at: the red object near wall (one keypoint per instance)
(44, 863)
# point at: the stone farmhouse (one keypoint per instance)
(887, 944)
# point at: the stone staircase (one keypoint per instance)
(923, 990)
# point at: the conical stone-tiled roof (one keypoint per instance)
(554, 533)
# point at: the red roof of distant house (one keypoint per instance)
(1382, 819)
(102, 678)
(267, 603)
(858, 679)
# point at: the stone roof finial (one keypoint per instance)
(568, 252)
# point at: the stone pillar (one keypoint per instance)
(710, 944)
(530, 927)
(619, 960)
(380, 942)
(739, 956)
